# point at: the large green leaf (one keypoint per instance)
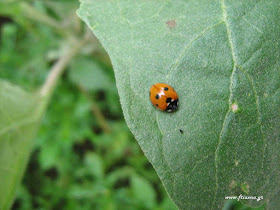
(20, 113)
(222, 57)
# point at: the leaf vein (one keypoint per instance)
(253, 26)
(198, 162)
(161, 141)
(17, 125)
(201, 34)
(226, 121)
(258, 109)
(254, 53)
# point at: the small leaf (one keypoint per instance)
(216, 54)
(89, 74)
(94, 165)
(143, 192)
(20, 114)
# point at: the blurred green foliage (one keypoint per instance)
(84, 156)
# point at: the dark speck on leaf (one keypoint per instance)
(171, 23)
(181, 131)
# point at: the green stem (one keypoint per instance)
(58, 68)
(33, 14)
(96, 112)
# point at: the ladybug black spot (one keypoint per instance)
(156, 104)
(157, 96)
(168, 100)
(166, 88)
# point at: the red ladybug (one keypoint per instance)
(164, 97)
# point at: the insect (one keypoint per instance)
(181, 131)
(164, 97)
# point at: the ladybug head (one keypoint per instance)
(172, 106)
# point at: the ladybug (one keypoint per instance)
(164, 97)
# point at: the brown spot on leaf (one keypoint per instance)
(171, 23)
